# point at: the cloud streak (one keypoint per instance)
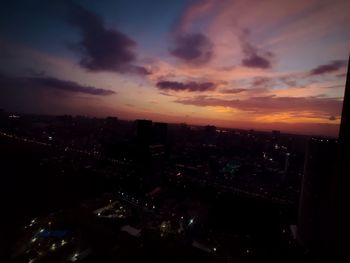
(332, 66)
(51, 83)
(233, 91)
(188, 86)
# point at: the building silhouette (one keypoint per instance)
(150, 153)
(143, 132)
(159, 132)
(323, 220)
(341, 181)
(315, 200)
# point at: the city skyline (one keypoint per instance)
(237, 64)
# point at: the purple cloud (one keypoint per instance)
(188, 86)
(193, 48)
(233, 91)
(102, 49)
(328, 68)
(256, 61)
(253, 56)
(51, 83)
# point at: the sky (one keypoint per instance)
(250, 64)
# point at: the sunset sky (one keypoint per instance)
(254, 64)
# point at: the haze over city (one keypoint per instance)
(243, 64)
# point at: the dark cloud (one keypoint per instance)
(102, 49)
(232, 91)
(51, 83)
(253, 56)
(256, 61)
(328, 68)
(188, 86)
(332, 118)
(273, 104)
(193, 48)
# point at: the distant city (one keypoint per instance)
(109, 190)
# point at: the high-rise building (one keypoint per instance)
(210, 134)
(286, 163)
(160, 130)
(150, 153)
(144, 132)
(341, 182)
(275, 135)
(323, 220)
(315, 205)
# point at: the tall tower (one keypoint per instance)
(286, 163)
(150, 153)
(342, 182)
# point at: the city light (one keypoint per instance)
(75, 257)
(53, 246)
